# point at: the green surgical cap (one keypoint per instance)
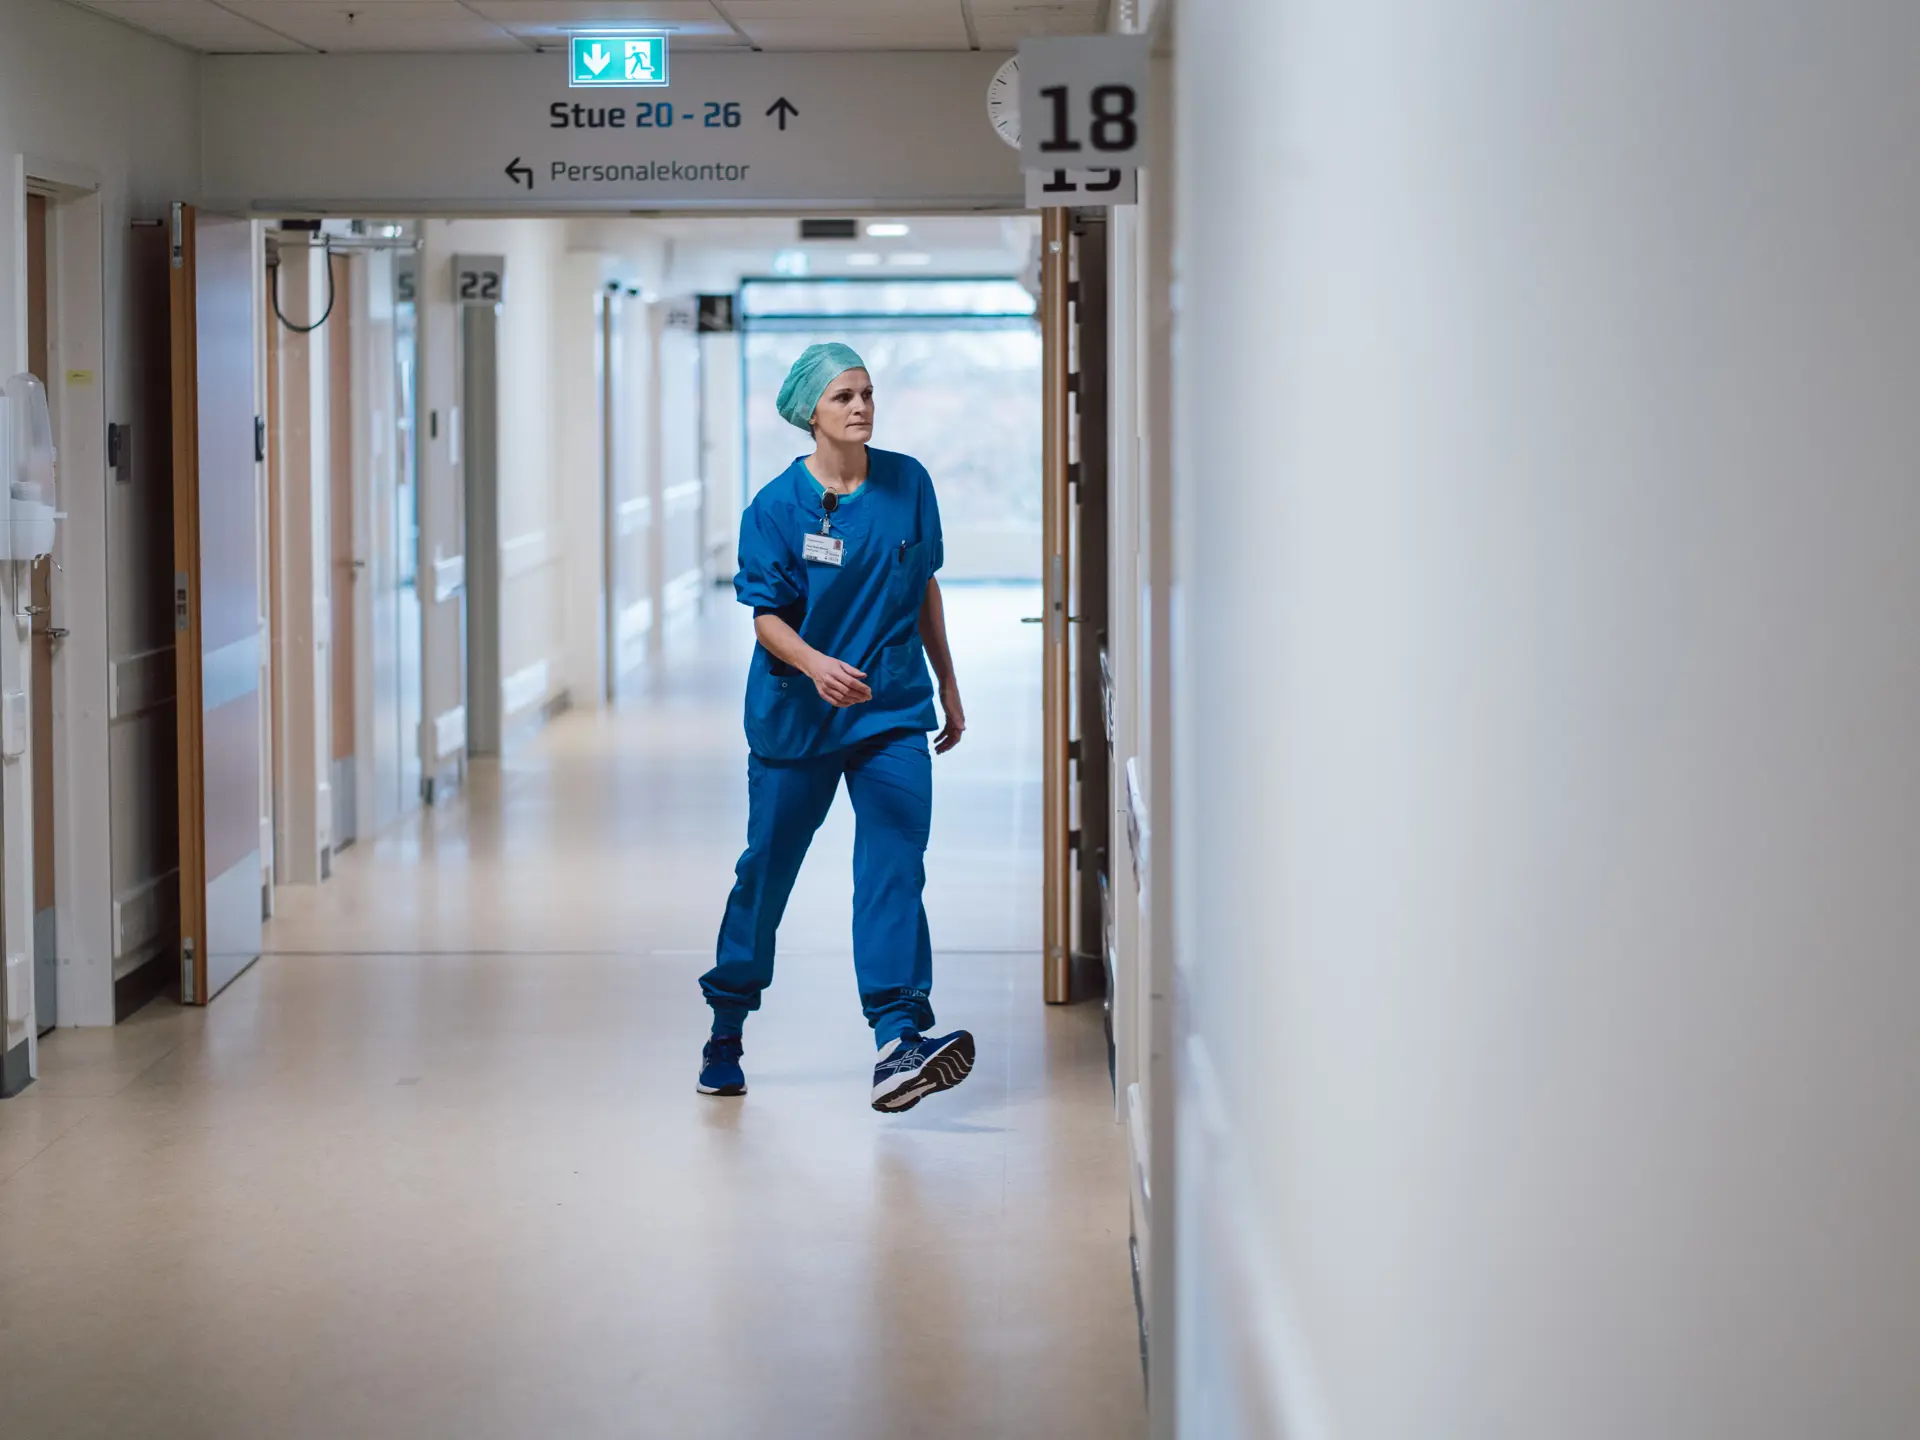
(817, 368)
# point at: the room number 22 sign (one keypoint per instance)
(1083, 103)
(479, 279)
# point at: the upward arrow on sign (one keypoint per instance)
(783, 107)
(597, 58)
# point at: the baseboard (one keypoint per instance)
(158, 974)
(1087, 976)
(1139, 1308)
(441, 785)
(1255, 1377)
(530, 722)
(15, 1073)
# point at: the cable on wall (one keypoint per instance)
(273, 264)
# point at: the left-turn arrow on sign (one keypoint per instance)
(519, 174)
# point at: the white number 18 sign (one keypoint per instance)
(1083, 103)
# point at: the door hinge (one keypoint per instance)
(179, 248)
(182, 609)
(186, 970)
(1073, 840)
(259, 438)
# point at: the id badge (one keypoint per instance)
(827, 549)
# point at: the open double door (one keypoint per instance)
(219, 655)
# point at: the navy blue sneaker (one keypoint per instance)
(720, 1072)
(914, 1067)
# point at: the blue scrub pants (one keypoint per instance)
(890, 781)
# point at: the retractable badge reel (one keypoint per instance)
(826, 547)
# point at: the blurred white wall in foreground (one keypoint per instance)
(1548, 649)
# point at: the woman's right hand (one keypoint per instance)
(839, 684)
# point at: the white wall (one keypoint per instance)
(581, 458)
(1549, 719)
(84, 98)
(721, 449)
(683, 499)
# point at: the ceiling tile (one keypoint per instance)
(384, 25)
(811, 37)
(691, 23)
(587, 14)
(195, 24)
(1085, 10)
(1007, 34)
(554, 37)
(852, 24)
(806, 12)
(448, 25)
(345, 7)
(1005, 23)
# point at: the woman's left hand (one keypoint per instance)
(956, 725)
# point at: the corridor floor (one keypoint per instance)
(435, 1167)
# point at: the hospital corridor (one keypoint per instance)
(466, 1186)
(959, 720)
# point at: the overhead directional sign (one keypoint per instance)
(617, 61)
(482, 134)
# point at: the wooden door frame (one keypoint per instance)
(189, 721)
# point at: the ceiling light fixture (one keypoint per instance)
(910, 258)
(887, 229)
(863, 259)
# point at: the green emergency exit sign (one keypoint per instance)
(620, 61)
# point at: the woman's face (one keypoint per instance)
(845, 412)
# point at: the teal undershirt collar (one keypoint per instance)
(819, 489)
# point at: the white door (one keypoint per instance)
(385, 538)
(217, 447)
(407, 617)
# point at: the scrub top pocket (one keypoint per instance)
(785, 716)
(901, 679)
(908, 583)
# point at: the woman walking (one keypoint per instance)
(837, 559)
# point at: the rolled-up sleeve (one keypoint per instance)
(771, 575)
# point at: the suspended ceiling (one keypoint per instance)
(247, 27)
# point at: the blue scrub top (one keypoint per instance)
(865, 611)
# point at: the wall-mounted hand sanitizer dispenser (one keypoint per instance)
(32, 487)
